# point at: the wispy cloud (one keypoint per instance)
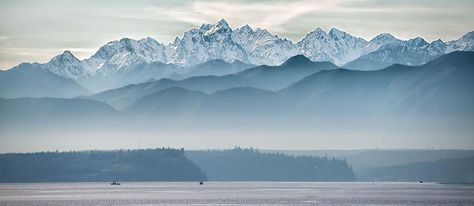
(270, 15)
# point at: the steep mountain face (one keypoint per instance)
(379, 41)
(125, 54)
(465, 43)
(262, 47)
(412, 52)
(67, 65)
(336, 46)
(209, 42)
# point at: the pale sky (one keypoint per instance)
(37, 30)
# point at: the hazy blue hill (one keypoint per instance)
(168, 104)
(437, 93)
(54, 113)
(103, 81)
(236, 100)
(156, 70)
(440, 87)
(278, 77)
(251, 165)
(123, 97)
(446, 84)
(121, 165)
(178, 105)
(364, 64)
(400, 102)
(217, 67)
(453, 170)
(263, 77)
(342, 92)
(31, 80)
(412, 52)
(211, 84)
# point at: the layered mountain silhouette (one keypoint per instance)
(263, 77)
(438, 89)
(215, 78)
(431, 99)
(217, 49)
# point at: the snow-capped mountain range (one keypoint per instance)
(257, 47)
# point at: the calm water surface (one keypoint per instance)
(235, 193)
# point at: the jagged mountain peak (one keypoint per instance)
(339, 35)
(263, 47)
(383, 37)
(318, 32)
(66, 65)
(220, 27)
(125, 53)
(176, 41)
(65, 58)
(336, 46)
(207, 43)
(223, 23)
(67, 53)
(336, 33)
(148, 40)
(438, 42)
(465, 43)
(259, 47)
(246, 28)
(417, 41)
(379, 41)
(469, 35)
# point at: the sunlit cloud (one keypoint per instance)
(260, 14)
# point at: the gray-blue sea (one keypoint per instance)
(235, 193)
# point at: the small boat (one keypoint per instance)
(115, 183)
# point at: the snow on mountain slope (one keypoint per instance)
(264, 48)
(209, 42)
(126, 53)
(412, 52)
(66, 65)
(251, 46)
(336, 46)
(379, 41)
(465, 43)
